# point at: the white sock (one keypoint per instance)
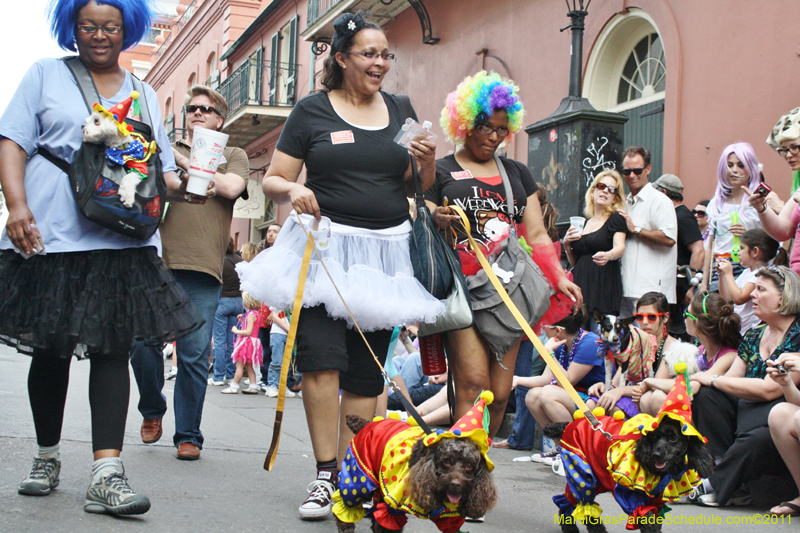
(50, 452)
(105, 466)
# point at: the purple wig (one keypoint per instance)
(747, 156)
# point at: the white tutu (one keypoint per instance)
(371, 268)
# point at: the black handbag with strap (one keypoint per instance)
(95, 182)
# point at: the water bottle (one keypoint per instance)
(431, 351)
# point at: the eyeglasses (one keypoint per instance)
(205, 109)
(783, 152)
(687, 314)
(637, 171)
(374, 55)
(651, 317)
(108, 30)
(705, 312)
(698, 213)
(603, 187)
(486, 129)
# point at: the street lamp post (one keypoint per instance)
(571, 146)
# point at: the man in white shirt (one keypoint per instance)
(650, 259)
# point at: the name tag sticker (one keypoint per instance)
(342, 137)
(463, 175)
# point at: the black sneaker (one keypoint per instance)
(113, 495)
(42, 478)
(318, 503)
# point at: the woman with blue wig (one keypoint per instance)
(69, 286)
(480, 115)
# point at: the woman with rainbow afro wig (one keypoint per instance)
(482, 113)
(71, 287)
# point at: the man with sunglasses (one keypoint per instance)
(194, 240)
(651, 255)
(701, 216)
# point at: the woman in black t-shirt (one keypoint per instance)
(482, 113)
(356, 177)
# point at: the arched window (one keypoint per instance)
(645, 72)
(191, 80)
(211, 64)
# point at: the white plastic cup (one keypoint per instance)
(321, 233)
(577, 222)
(207, 148)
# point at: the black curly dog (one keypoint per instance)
(661, 452)
(452, 467)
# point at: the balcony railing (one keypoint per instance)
(260, 83)
(317, 8)
(177, 134)
(190, 9)
(164, 46)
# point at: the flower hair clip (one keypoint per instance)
(348, 24)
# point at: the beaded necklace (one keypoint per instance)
(660, 349)
(575, 342)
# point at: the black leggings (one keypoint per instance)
(109, 391)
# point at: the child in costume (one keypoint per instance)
(248, 350)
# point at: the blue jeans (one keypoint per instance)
(193, 351)
(277, 343)
(264, 337)
(524, 425)
(410, 369)
(224, 320)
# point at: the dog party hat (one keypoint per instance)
(120, 112)
(677, 406)
(474, 425)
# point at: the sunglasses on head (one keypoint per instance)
(637, 171)
(651, 317)
(603, 187)
(698, 213)
(690, 315)
(205, 109)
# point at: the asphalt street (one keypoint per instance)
(227, 489)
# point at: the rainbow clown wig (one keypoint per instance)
(136, 17)
(473, 102)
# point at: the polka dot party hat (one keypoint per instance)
(120, 112)
(474, 425)
(677, 406)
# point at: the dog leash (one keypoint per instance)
(269, 461)
(551, 363)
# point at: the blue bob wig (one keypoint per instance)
(136, 17)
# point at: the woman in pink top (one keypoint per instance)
(784, 139)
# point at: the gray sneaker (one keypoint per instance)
(113, 495)
(42, 478)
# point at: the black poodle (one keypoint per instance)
(664, 451)
(451, 471)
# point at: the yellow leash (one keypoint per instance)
(554, 366)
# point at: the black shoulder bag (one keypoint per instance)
(95, 182)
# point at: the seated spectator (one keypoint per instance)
(576, 350)
(419, 386)
(652, 316)
(732, 410)
(784, 424)
(711, 319)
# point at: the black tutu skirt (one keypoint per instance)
(90, 303)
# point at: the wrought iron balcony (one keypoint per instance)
(317, 8)
(260, 95)
(177, 134)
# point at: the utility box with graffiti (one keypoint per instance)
(566, 151)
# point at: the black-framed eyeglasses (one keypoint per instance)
(603, 187)
(637, 171)
(108, 30)
(698, 213)
(486, 129)
(372, 55)
(794, 149)
(205, 109)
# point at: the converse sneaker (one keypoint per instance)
(318, 503)
(113, 495)
(42, 478)
(547, 458)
